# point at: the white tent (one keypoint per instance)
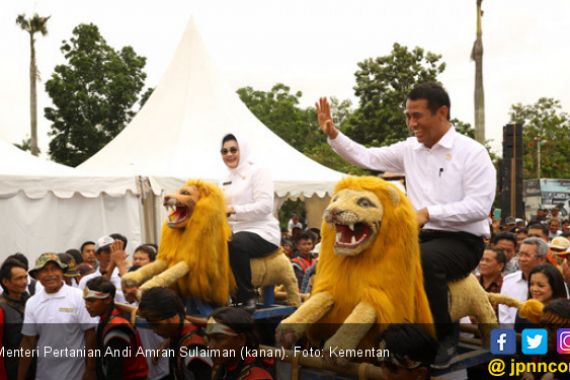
(178, 132)
(51, 207)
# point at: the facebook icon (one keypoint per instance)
(503, 342)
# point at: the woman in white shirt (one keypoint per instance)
(249, 196)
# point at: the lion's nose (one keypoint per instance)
(334, 212)
(168, 200)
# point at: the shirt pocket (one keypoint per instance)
(449, 184)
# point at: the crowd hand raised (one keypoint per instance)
(325, 119)
(117, 252)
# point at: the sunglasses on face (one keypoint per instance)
(232, 150)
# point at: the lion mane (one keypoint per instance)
(203, 246)
(387, 275)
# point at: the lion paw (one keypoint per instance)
(288, 334)
(333, 353)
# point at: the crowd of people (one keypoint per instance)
(71, 302)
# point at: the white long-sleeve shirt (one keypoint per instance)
(454, 179)
(515, 286)
(249, 190)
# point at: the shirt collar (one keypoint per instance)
(446, 141)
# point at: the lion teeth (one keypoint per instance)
(338, 236)
(351, 226)
(353, 240)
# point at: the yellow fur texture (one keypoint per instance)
(203, 246)
(387, 274)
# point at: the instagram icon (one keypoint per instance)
(563, 341)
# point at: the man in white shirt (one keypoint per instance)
(57, 326)
(103, 252)
(531, 254)
(450, 180)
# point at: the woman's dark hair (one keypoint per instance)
(240, 321)
(148, 249)
(6, 270)
(161, 303)
(101, 284)
(228, 137)
(555, 280)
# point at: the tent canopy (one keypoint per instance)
(35, 177)
(177, 134)
(46, 206)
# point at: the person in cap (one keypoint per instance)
(231, 332)
(70, 275)
(103, 251)
(14, 281)
(164, 311)
(114, 335)
(56, 322)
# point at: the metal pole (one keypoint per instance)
(514, 174)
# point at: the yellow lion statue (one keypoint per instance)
(193, 252)
(369, 272)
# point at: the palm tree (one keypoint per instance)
(33, 25)
(477, 56)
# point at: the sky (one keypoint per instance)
(312, 46)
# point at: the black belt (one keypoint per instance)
(431, 234)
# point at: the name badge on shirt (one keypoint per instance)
(66, 309)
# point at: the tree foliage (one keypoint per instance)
(546, 124)
(279, 109)
(25, 145)
(93, 94)
(382, 85)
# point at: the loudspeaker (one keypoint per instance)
(511, 180)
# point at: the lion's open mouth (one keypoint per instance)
(351, 235)
(178, 214)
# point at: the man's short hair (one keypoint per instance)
(539, 226)
(149, 249)
(504, 235)
(500, 255)
(86, 243)
(6, 270)
(435, 95)
(101, 284)
(21, 258)
(304, 235)
(541, 246)
(160, 303)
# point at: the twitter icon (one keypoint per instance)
(534, 341)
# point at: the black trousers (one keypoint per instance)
(446, 256)
(243, 246)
